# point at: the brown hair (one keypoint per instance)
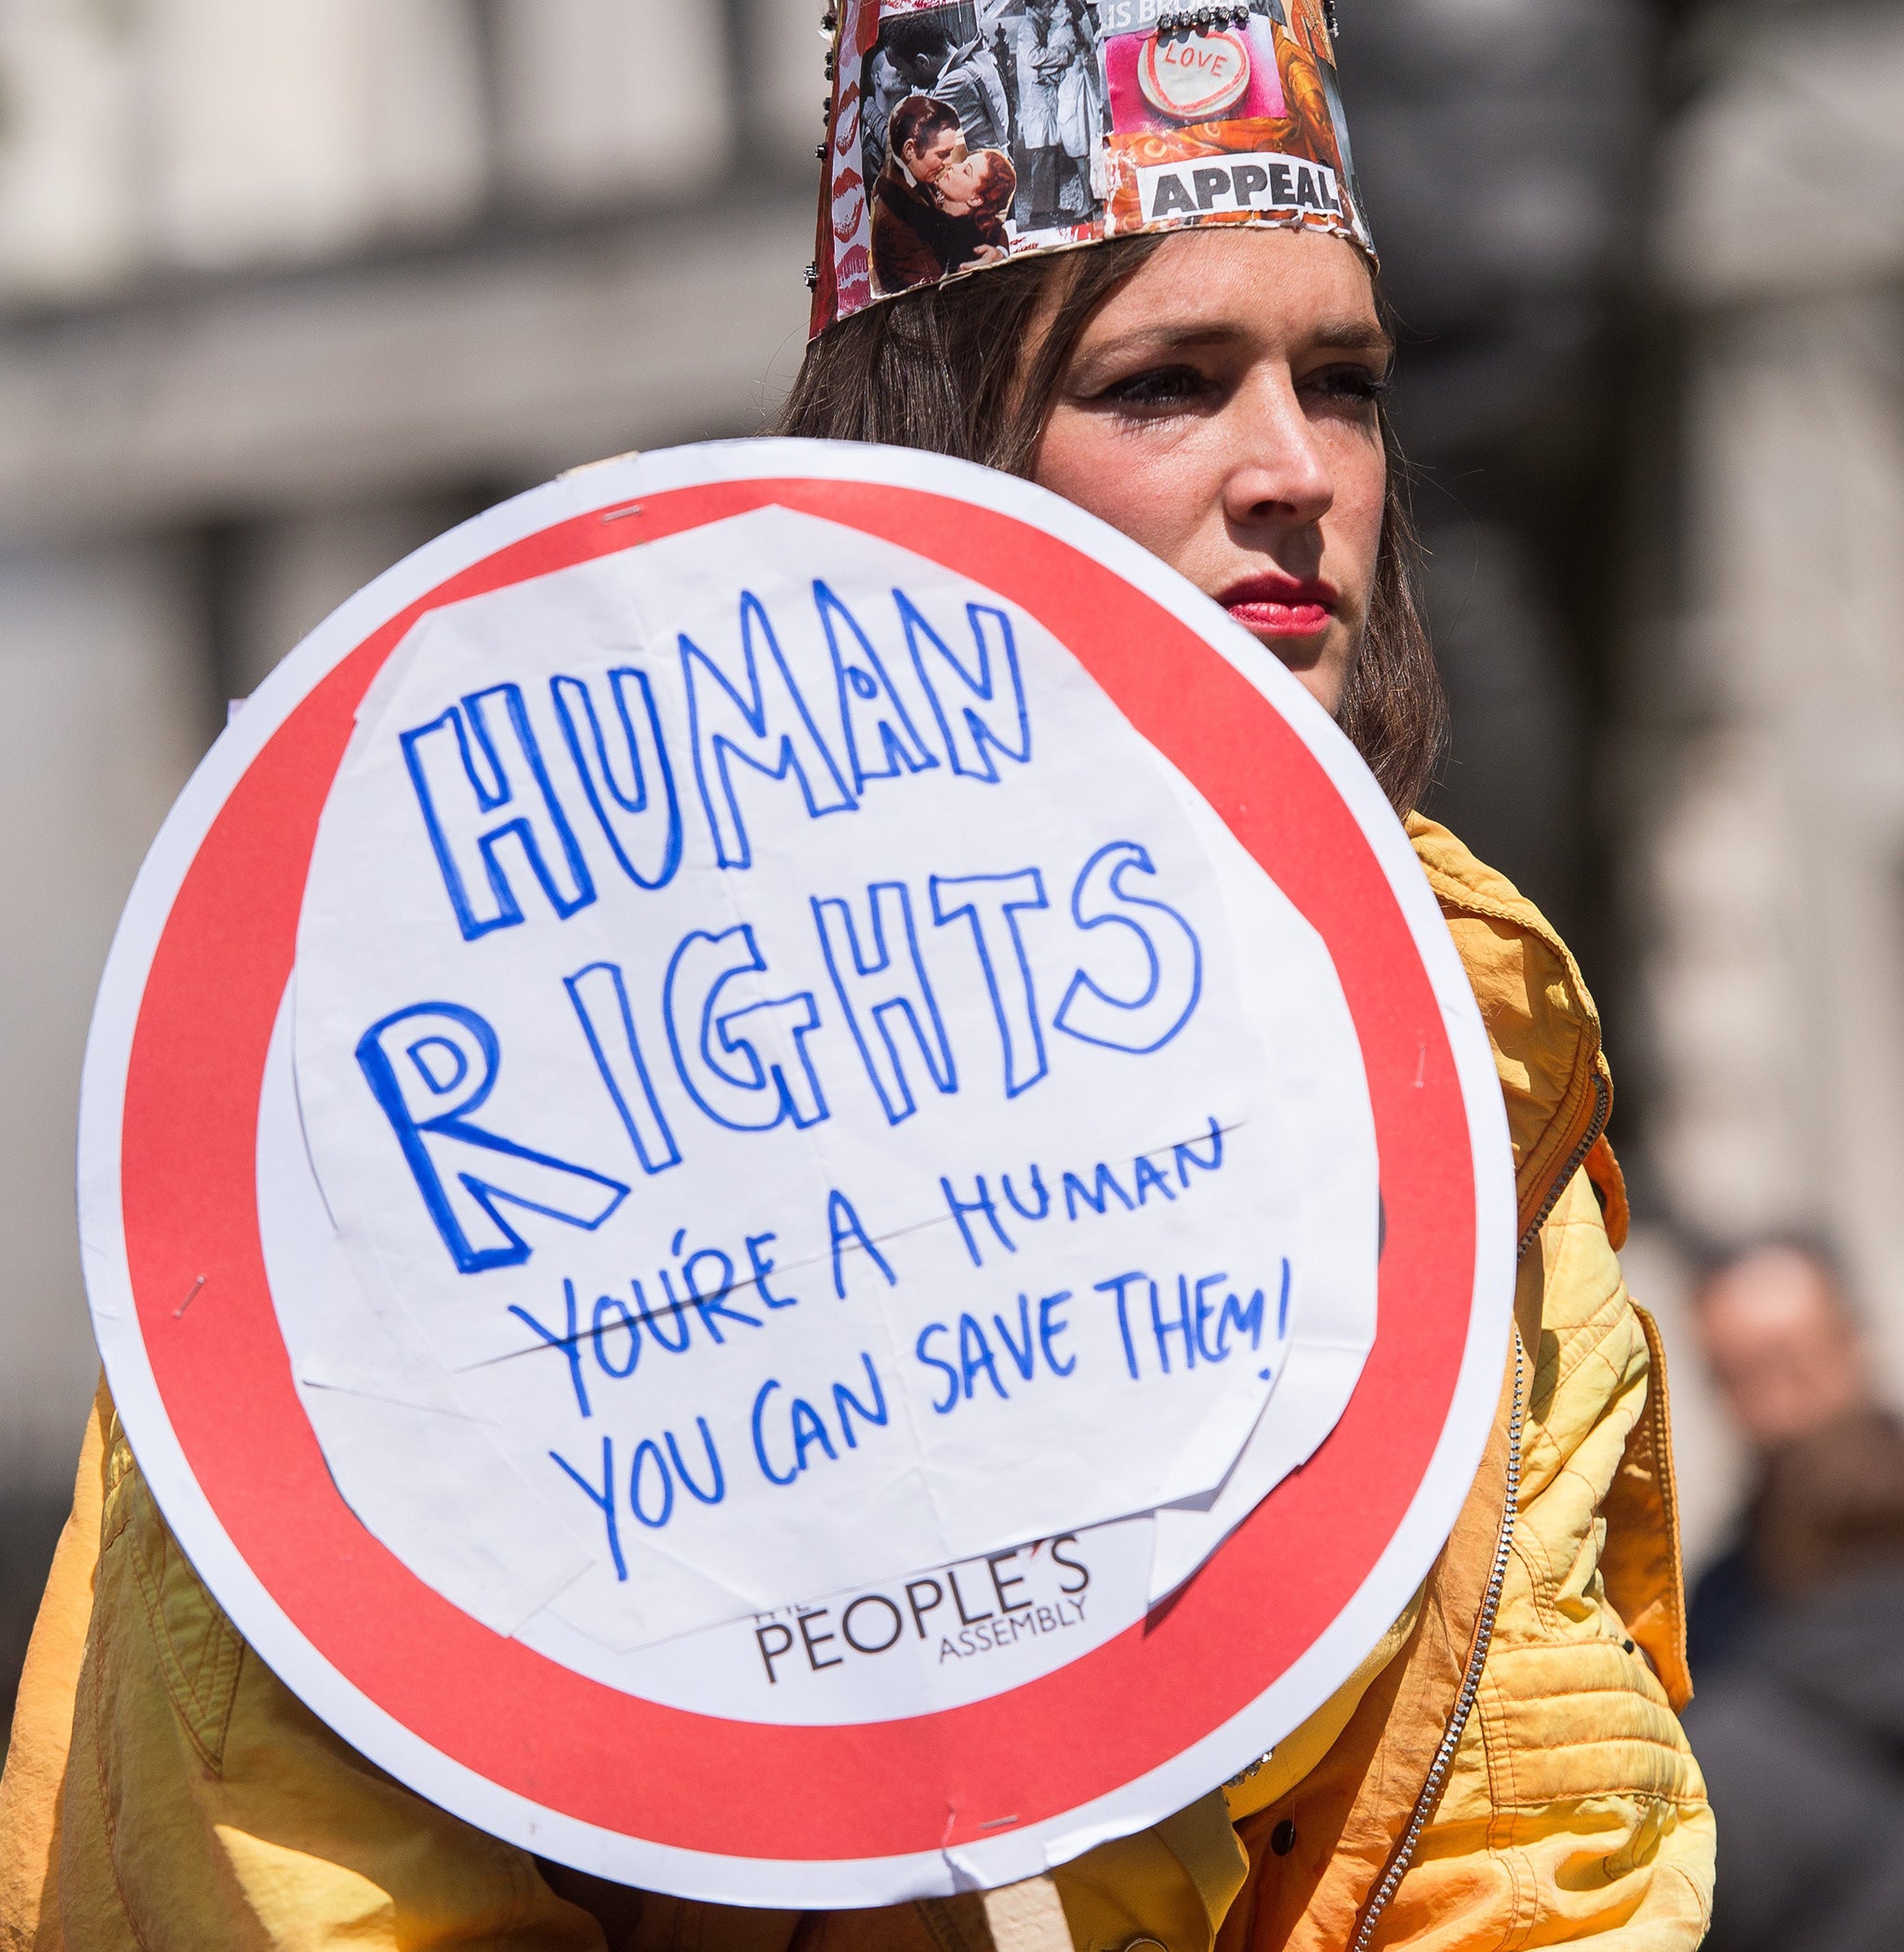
(998, 183)
(941, 368)
(916, 121)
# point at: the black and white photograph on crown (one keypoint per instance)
(980, 124)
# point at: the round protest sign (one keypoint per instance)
(780, 1115)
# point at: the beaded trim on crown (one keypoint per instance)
(962, 134)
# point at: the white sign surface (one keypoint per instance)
(870, 1154)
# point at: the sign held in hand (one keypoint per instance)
(832, 1079)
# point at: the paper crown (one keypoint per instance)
(964, 133)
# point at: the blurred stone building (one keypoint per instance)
(1502, 143)
(1759, 726)
(1648, 261)
(286, 287)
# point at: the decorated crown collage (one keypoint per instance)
(962, 134)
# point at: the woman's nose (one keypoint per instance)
(1278, 471)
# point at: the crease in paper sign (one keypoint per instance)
(1006, 1387)
(1322, 1086)
(882, 1241)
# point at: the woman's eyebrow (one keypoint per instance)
(1352, 336)
(1343, 335)
(1156, 340)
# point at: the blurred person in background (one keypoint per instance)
(1797, 1633)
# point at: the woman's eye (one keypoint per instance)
(1353, 386)
(1162, 389)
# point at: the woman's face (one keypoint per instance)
(957, 185)
(1220, 408)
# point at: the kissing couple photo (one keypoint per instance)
(938, 206)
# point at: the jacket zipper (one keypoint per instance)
(1471, 1682)
(1575, 1160)
(1404, 1854)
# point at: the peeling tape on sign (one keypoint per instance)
(799, 1040)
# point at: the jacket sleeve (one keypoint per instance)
(29, 1790)
(200, 1803)
(165, 1792)
(1574, 1809)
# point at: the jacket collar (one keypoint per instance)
(1541, 1021)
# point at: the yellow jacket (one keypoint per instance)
(1512, 1745)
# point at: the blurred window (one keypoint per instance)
(68, 219)
(286, 128)
(599, 98)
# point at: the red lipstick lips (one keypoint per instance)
(1275, 605)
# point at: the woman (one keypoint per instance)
(973, 194)
(1081, 108)
(1057, 109)
(1511, 1745)
(1504, 1767)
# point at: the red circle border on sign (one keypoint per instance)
(664, 1775)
